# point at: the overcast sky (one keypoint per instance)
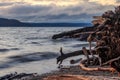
(55, 10)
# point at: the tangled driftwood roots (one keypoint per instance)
(106, 34)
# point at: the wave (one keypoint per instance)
(36, 56)
(6, 50)
(16, 44)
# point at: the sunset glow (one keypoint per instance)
(54, 2)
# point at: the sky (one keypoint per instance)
(55, 10)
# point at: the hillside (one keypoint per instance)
(15, 23)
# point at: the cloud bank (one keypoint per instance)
(55, 10)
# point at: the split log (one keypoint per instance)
(71, 54)
(73, 32)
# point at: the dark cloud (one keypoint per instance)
(27, 9)
(117, 1)
(5, 4)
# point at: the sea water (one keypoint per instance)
(32, 50)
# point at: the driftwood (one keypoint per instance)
(73, 32)
(71, 54)
(106, 33)
(109, 44)
(83, 67)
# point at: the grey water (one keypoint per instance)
(31, 49)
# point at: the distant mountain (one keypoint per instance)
(9, 22)
(15, 23)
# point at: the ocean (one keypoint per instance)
(31, 49)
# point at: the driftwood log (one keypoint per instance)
(73, 33)
(71, 54)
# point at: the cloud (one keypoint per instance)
(54, 10)
(72, 2)
(54, 2)
(106, 2)
(5, 4)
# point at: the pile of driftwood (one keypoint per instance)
(106, 34)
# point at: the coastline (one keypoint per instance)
(70, 73)
(76, 73)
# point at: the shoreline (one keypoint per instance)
(72, 73)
